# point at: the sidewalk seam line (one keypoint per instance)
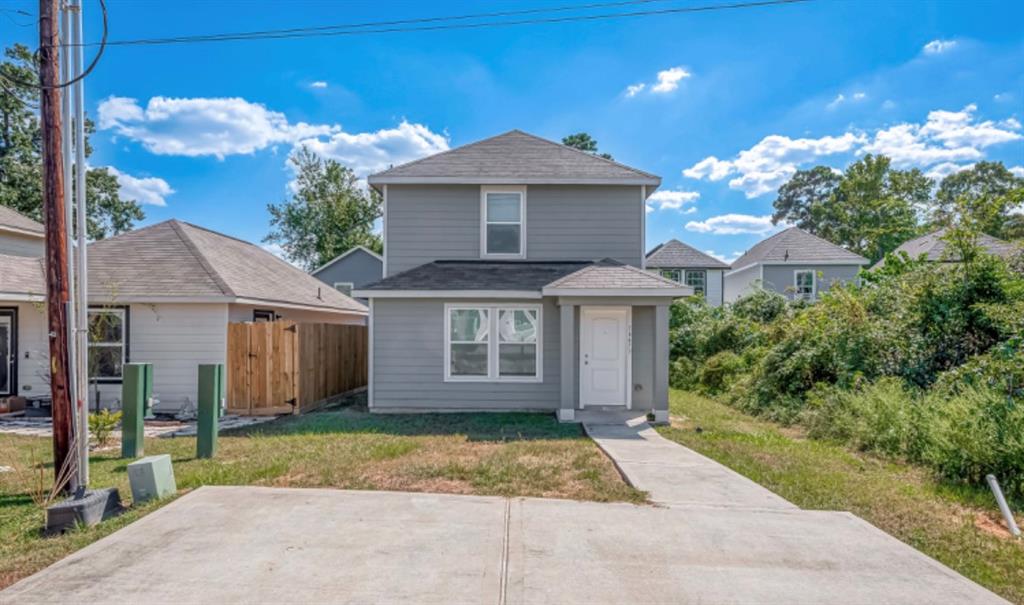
(503, 582)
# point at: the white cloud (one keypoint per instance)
(668, 199)
(634, 89)
(941, 171)
(151, 190)
(668, 79)
(318, 84)
(369, 152)
(733, 224)
(202, 126)
(888, 104)
(859, 96)
(1017, 171)
(771, 162)
(836, 102)
(1003, 97)
(946, 137)
(936, 47)
(725, 259)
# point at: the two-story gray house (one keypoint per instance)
(513, 281)
(793, 263)
(687, 265)
(356, 267)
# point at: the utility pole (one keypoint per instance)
(56, 237)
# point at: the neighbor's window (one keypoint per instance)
(468, 342)
(673, 274)
(804, 282)
(494, 343)
(107, 337)
(503, 223)
(699, 281)
(345, 287)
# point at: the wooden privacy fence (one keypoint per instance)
(284, 367)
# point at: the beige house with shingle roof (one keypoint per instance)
(166, 294)
(20, 235)
(513, 280)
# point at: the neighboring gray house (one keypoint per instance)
(689, 266)
(20, 235)
(933, 248)
(512, 281)
(793, 263)
(353, 269)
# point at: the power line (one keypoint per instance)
(81, 76)
(385, 27)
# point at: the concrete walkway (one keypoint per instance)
(674, 475)
(266, 545)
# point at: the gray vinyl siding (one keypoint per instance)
(359, 268)
(714, 283)
(741, 283)
(643, 357)
(425, 223)
(569, 222)
(408, 363)
(780, 278)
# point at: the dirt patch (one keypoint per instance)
(992, 526)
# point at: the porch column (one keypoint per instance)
(567, 327)
(661, 364)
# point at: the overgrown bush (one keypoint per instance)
(719, 371)
(102, 424)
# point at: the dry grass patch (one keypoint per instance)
(484, 454)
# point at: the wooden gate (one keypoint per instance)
(284, 367)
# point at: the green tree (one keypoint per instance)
(328, 214)
(984, 194)
(21, 161)
(869, 209)
(584, 142)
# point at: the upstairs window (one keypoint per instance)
(698, 280)
(673, 274)
(804, 283)
(345, 287)
(503, 232)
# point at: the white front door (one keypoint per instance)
(604, 355)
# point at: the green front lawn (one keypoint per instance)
(958, 526)
(490, 454)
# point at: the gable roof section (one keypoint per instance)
(12, 220)
(676, 254)
(21, 278)
(933, 247)
(178, 260)
(615, 279)
(350, 251)
(515, 157)
(796, 246)
(473, 275)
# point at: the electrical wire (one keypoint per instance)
(99, 53)
(383, 27)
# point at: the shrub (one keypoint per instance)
(102, 425)
(719, 371)
(762, 306)
(682, 374)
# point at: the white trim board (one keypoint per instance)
(498, 294)
(464, 180)
(631, 292)
(809, 263)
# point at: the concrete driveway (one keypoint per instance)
(265, 545)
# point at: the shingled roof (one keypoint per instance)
(796, 246)
(174, 260)
(616, 278)
(934, 247)
(675, 254)
(22, 277)
(13, 220)
(515, 157)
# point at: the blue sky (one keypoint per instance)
(723, 105)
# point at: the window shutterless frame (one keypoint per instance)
(125, 315)
(345, 287)
(698, 279)
(484, 222)
(673, 274)
(814, 284)
(493, 340)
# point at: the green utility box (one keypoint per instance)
(211, 402)
(136, 391)
(151, 477)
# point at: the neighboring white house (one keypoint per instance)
(20, 235)
(162, 294)
(687, 265)
(793, 263)
(353, 269)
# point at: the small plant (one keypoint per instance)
(102, 425)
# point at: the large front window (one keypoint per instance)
(108, 330)
(503, 232)
(497, 343)
(698, 280)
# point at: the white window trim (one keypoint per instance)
(351, 287)
(675, 272)
(492, 343)
(703, 272)
(123, 344)
(521, 191)
(814, 284)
